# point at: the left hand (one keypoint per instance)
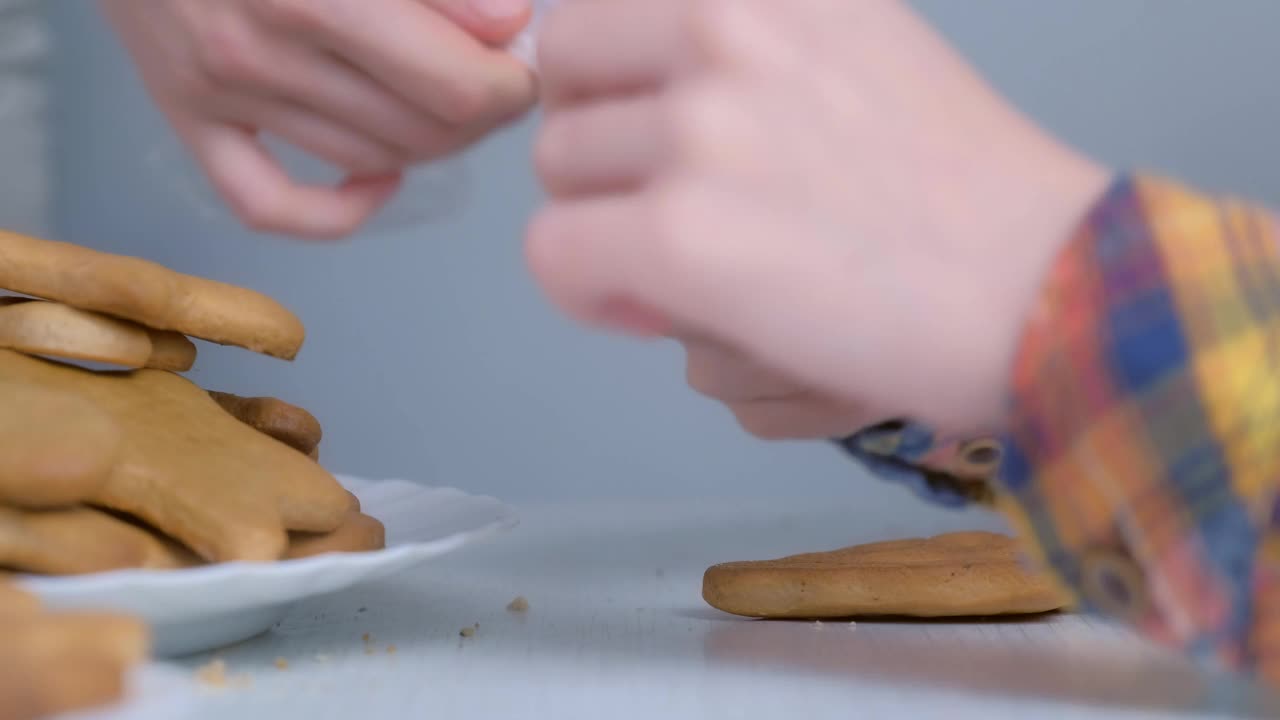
(765, 402)
(821, 185)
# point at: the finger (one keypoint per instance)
(309, 79)
(493, 22)
(802, 417)
(568, 250)
(333, 142)
(415, 51)
(708, 258)
(725, 374)
(259, 191)
(602, 147)
(671, 249)
(594, 48)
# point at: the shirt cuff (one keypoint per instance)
(940, 469)
(1143, 451)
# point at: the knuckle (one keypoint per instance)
(690, 123)
(365, 158)
(700, 377)
(260, 212)
(708, 126)
(553, 153)
(713, 30)
(226, 56)
(464, 103)
(676, 212)
(760, 423)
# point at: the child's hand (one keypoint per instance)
(371, 86)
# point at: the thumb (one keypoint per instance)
(494, 22)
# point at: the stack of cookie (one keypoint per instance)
(134, 466)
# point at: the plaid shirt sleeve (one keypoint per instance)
(1142, 458)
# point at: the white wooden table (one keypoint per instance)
(616, 628)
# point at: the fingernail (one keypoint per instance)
(500, 9)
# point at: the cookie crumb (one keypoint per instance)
(518, 605)
(213, 673)
(282, 664)
(367, 638)
(391, 649)
(467, 632)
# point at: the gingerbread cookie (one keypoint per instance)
(46, 328)
(957, 574)
(148, 294)
(81, 540)
(359, 533)
(287, 423)
(56, 447)
(37, 327)
(14, 600)
(192, 471)
(56, 663)
(171, 351)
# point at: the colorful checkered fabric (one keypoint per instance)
(1143, 453)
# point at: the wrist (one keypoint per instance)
(1022, 199)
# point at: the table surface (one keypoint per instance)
(616, 624)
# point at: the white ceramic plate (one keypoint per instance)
(208, 607)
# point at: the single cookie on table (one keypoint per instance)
(148, 294)
(358, 533)
(190, 470)
(80, 540)
(954, 575)
(37, 327)
(56, 447)
(287, 423)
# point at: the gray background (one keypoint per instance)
(431, 355)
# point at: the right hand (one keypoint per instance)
(370, 86)
(767, 403)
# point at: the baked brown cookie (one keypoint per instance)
(56, 663)
(192, 471)
(358, 533)
(171, 351)
(14, 600)
(81, 540)
(957, 574)
(56, 447)
(148, 294)
(37, 327)
(287, 423)
(56, 330)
